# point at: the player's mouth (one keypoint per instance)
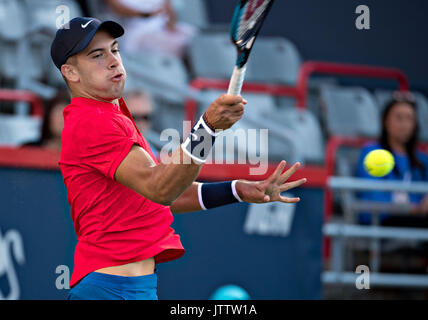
(118, 77)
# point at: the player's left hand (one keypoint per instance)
(270, 190)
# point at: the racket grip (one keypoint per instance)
(237, 80)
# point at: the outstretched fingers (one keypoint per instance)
(287, 174)
(289, 200)
(275, 176)
(291, 185)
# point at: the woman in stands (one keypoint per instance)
(399, 136)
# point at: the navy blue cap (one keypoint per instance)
(76, 35)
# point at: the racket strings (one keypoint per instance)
(249, 19)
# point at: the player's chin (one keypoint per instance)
(116, 90)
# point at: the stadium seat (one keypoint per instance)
(161, 74)
(212, 55)
(12, 20)
(383, 96)
(12, 29)
(21, 60)
(193, 12)
(350, 111)
(307, 128)
(274, 60)
(16, 130)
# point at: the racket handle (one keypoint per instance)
(237, 80)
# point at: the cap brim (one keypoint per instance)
(113, 28)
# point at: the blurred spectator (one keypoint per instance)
(399, 136)
(151, 26)
(140, 105)
(53, 122)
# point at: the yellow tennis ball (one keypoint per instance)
(379, 162)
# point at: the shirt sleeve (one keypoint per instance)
(103, 141)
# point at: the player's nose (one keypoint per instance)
(113, 62)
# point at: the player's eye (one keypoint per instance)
(115, 50)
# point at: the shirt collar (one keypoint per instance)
(121, 108)
(80, 101)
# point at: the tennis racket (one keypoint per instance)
(246, 24)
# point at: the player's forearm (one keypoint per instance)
(188, 201)
(172, 179)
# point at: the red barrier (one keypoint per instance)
(332, 147)
(29, 157)
(341, 69)
(36, 104)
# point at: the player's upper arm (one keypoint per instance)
(136, 172)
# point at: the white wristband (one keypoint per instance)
(201, 202)
(200, 141)
(234, 191)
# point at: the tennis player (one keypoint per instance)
(121, 198)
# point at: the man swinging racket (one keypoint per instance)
(121, 198)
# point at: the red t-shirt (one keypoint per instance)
(114, 224)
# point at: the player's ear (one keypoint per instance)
(70, 73)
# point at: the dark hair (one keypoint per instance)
(412, 143)
(62, 96)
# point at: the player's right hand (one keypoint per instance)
(225, 111)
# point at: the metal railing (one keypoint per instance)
(344, 231)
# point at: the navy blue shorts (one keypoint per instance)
(100, 286)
